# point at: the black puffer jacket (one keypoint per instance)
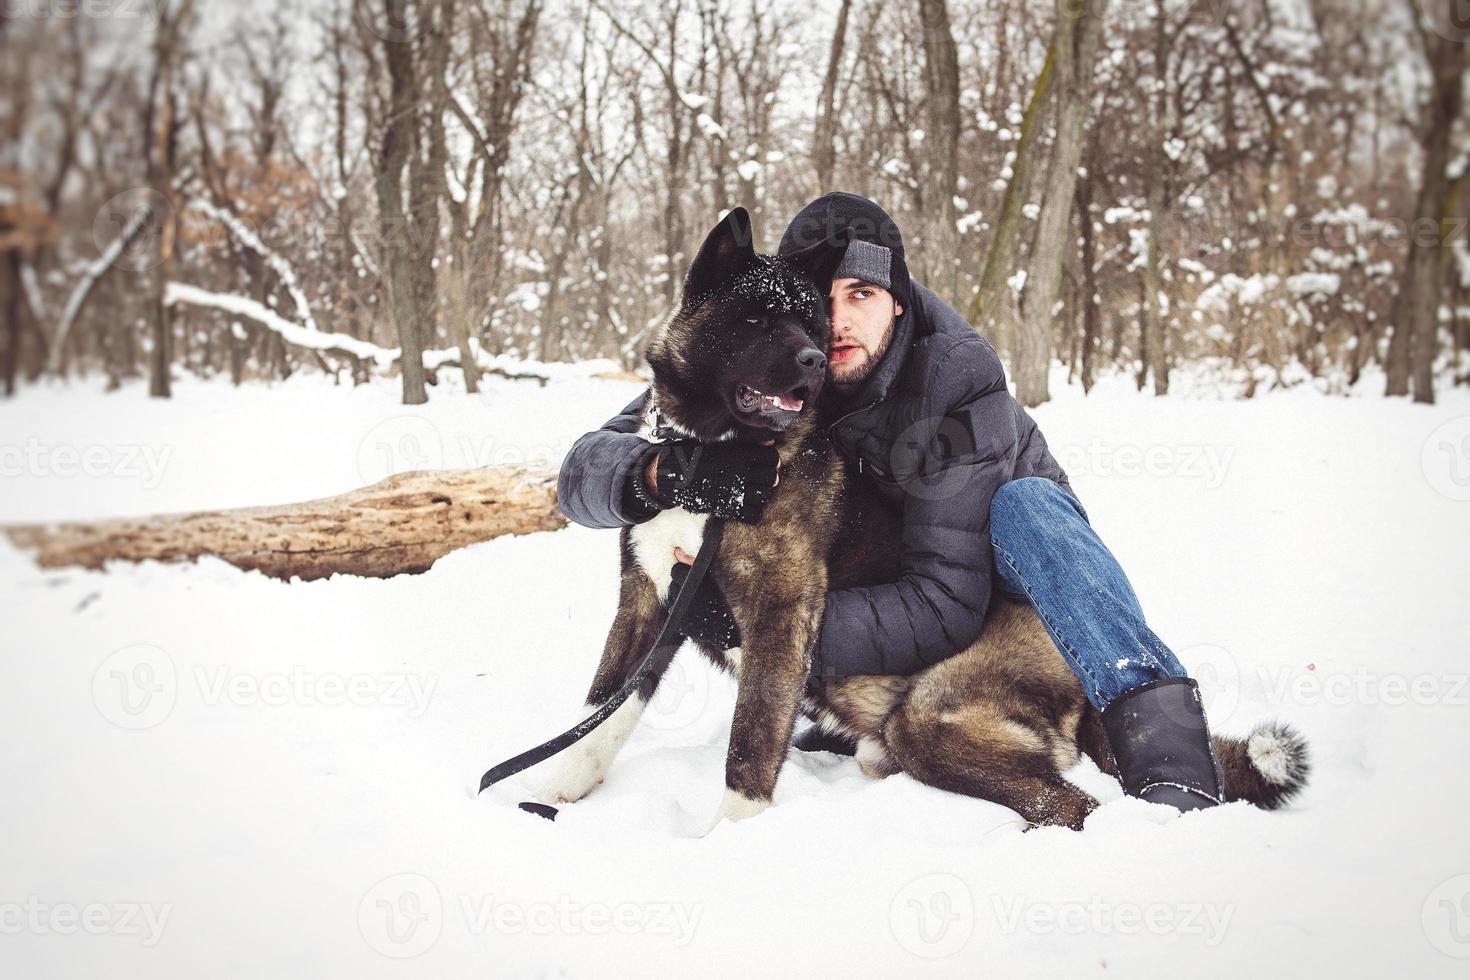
(937, 432)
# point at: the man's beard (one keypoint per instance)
(851, 375)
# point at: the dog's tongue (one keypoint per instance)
(784, 402)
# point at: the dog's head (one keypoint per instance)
(747, 348)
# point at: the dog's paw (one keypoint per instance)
(556, 793)
(575, 777)
(737, 806)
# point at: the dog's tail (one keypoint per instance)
(1268, 768)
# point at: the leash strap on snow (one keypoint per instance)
(654, 664)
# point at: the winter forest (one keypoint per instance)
(1270, 192)
(309, 307)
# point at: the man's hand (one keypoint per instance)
(731, 480)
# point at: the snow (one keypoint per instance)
(1314, 284)
(710, 128)
(215, 774)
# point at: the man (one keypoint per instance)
(917, 402)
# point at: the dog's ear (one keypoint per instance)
(821, 260)
(727, 252)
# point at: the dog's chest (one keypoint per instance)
(654, 542)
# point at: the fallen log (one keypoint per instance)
(399, 526)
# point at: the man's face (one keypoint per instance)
(863, 316)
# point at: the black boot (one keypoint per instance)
(818, 739)
(1161, 745)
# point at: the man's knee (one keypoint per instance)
(1032, 502)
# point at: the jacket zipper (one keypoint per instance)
(832, 425)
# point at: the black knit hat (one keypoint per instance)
(875, 253)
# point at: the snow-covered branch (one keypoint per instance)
(250, 240)
(381, 358)
(93, 274)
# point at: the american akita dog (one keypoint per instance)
(1000, 720)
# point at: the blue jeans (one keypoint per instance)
(1047, 554)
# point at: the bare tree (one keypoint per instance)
(162, 122)
(994, 309)
(824, 150)
(1443, 37)
(413, 43)
(1079, 29)
(942, 137)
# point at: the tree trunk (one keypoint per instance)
(1091, 329)
(455, 285)
(824, 153)
(993, 309)
(455, 293)
(1143, 334)
(426, 166)
(1155, 350)
(398, 246)
(1079, 28)
(10, 301)
(1154, 327)
(1415, 340)
(942, 85)
(401, 525)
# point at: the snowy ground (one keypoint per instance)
(212, 774)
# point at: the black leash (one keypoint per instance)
(657, 661)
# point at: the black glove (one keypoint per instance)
(708, 617)
(732, 480)
(640, 503)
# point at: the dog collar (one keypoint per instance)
(663, 429)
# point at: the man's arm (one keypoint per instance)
(966, 443)
(593, 486)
